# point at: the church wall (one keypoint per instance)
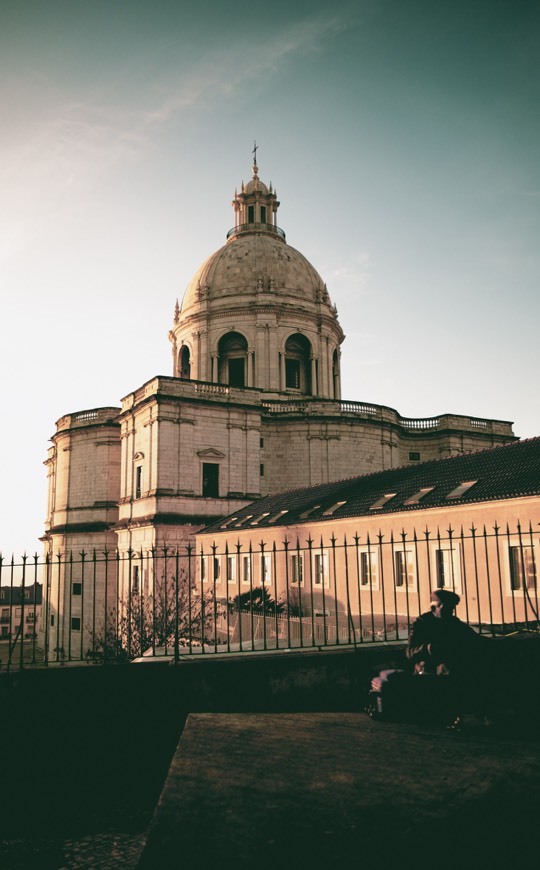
(84, 469)
(79, 593)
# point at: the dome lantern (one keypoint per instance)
(255, 207)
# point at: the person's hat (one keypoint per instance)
(445, 596)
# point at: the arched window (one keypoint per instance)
(185, 363)
(298, 364)
(232, 349)
(335, 374)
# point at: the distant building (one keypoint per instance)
(379, 543)
(253, 406)
(20, 611)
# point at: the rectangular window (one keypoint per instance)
(75, 623)
(210, 569)
(368, 568)
(5, 612)
(414, 456)
(245, 568)
(261, 469)
(77, 588)
(52, 618)
(138, 481)
(251, 214)
(30, 617)
(210, 479)
(292, 374)
(447, 568)
(263, 214)
(521, 568)
(231, 569)
(261, 443)
(297, 569)
(404, 569)
(237, 376)
(266, 569)
(320, 569)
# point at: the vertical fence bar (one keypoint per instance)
(240, 578)
(322, 576)
(58, 648)
(46, 607)
(419, 581)
(275, 576)
(427, 535)
(477, 585)
(464, 575)
(34, 617)
(526, 599)
(358, 586)
(334, 571)
(395, 581)
(227, 583)
(300, 579)
(132, 595)
(23, 595)
(190, 554)
(70, 604)
(499, 576)
(94, 606)
(81, 644)
(407, 602)
(378, 563)
(287, 591)
(176, 626)
(314, 639)
(11, 612)
(380, 537)
(534, 577)
(488, 573)
(105, 604)
(350, 620)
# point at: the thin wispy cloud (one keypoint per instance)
(354, 273)
(50, 164)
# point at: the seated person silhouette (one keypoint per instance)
(441, 645)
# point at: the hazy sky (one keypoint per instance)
(403, 137)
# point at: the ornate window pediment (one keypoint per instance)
(210, 453)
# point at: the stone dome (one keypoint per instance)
(254, 263)
(257, 313)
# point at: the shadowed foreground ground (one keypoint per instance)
(337, 789)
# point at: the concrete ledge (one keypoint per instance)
(321, 789)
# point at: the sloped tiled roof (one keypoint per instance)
(13, 595)
(505, 472)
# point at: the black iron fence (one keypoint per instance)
(232, 596)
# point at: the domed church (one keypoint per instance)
(253, 406)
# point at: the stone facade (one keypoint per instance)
(254, 407)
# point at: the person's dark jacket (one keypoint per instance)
(443, 646)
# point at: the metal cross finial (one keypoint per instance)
(254, 152)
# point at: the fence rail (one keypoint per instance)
(106, 607)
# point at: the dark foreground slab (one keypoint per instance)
(337, 789)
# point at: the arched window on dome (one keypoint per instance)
(298, 364)
(232, 350)
(335, 375)
(185, 363)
